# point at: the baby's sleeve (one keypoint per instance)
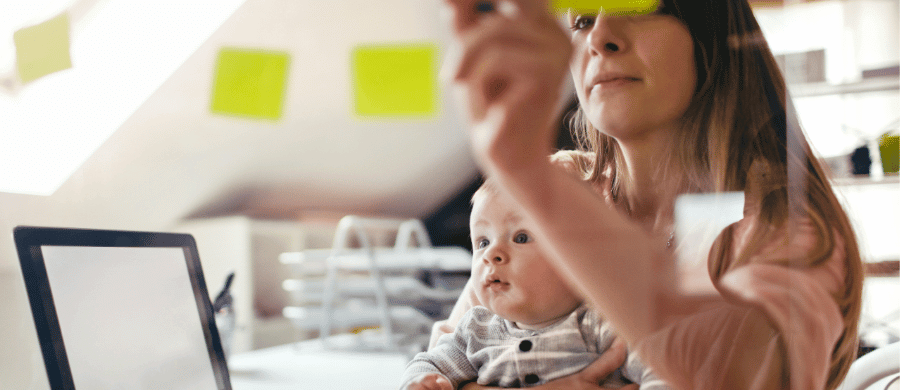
(597, 332)
(447, 358)
(635, 371)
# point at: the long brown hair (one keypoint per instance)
(740, 133)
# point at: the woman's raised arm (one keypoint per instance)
(512, 67)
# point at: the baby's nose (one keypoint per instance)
(495, 258)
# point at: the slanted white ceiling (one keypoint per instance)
(318, 156)
(173, 159)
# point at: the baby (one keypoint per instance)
(531, 329)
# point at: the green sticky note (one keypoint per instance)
(43, 49)
(250, 83)
(615, 7)
(395, 80)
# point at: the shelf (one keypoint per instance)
(889, 178)
(405, 289)
(876, 84)
(389, 259)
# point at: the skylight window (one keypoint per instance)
(121, 53)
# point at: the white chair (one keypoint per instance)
(875, 370)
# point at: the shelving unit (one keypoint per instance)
(361, 283)
(875, 84)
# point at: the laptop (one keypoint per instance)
(121, 310)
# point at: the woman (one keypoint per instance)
(684, 98)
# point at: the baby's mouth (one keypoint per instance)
(495, 283)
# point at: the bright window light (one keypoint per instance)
(121, 54)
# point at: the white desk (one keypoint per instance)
(307, 365)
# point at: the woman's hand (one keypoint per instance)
(800, 307)
(512, 65)
(429, 382)
(587, 379)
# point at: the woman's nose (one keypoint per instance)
(607, 36)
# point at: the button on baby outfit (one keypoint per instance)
(525, 346)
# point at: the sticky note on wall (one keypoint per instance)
(395, 80)
(250, 83)
(889, 146)
(629, 7)
(43, 49)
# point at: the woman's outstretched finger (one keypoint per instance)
(464, 13)
(531, 9)
(467, 13)
(501, 34)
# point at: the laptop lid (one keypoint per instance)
(121, 310)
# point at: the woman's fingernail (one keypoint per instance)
(484, 7)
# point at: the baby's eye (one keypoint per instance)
(521, 238)
(581, 22)
(481, 243)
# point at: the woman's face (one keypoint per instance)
(634, 75)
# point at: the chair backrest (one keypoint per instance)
(876, 367)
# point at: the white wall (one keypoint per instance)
(874, 209)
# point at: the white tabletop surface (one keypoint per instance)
(307, 365)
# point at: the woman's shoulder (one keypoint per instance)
(792, 244)
(574, 160)
(580, 164)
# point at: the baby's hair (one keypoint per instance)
(577, 163)
(488, 187)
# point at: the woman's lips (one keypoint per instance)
(613, 83)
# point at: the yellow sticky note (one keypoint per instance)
(616, 7)
(889, 146)
(43, 49)
(250, 83)
(395, 80)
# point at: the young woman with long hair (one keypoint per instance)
(682, 97)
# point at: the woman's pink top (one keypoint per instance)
(780, 320)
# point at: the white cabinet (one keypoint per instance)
(250, 248)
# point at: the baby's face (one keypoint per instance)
(511, 275)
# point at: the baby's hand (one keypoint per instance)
(429, 382)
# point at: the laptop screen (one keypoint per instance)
(129, 316)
